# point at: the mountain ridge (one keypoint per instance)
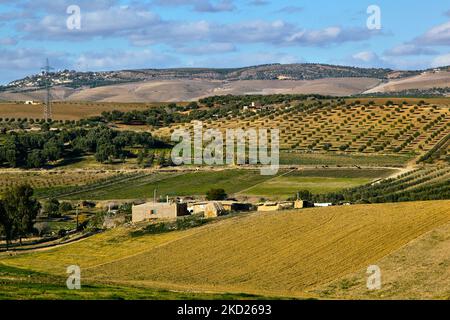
(188, 84)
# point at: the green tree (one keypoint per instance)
(19, 212)
(216, 194)
(305, 195)
(52, 207)
(53, 150)
(7, 223)
(65, 207)
(35, 159)
(105, 152)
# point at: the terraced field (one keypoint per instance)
(51, 179)
(288, 253)
(349, 128)
(424, 183)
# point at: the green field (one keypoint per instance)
(233, 181)
(316, 181)
(177, 184)
(336, 159)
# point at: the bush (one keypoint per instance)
(65, 207)
(216, 194)
(51, 208)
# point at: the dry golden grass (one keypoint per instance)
(419, 270)
(67, 110)
(282, 253)
(423, 81)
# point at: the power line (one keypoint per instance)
(48, 100)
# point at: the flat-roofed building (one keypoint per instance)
(158, 210)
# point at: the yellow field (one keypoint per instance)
(419, 270)
(285, 253)
(67, 110)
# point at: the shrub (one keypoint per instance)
(216, 194)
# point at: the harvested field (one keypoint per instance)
(283, 253)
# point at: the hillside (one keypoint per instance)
(194, 89)
(385, 126)
(425, 80)
(419, 270)
(288, 253)
(183, 84)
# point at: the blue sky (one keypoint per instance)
(127, 34)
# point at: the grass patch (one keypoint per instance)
(336, 159)
(317, 181)
(191, 183)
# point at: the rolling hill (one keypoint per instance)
(185, 84)
(291, 253)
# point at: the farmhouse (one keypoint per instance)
(217, 208)
(300, 204)
(275, 206)
(236, 206)
(214, 209)
(158, 210)
(328, 204)
(30, 102)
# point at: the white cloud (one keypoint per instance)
(409, 50)
(201, 5)
(365, 56)
(8, 41)
(18, 63)
(245, 59)
(123, 60)
(441, 61)
(290, 10)
(439, 35)
(109, 22)
(258, 2)
(209, 48)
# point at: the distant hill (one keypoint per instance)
(194, 83)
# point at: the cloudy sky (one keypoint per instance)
(125, 34)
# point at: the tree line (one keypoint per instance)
(38, 149)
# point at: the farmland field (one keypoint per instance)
(339, 159)
(347, 128)
(291, 253)
(178, 184)
(51, 179)
(67, 110)
(316, 181)
(242, 182)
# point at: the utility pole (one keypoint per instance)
(48, 100)
(77, 216)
